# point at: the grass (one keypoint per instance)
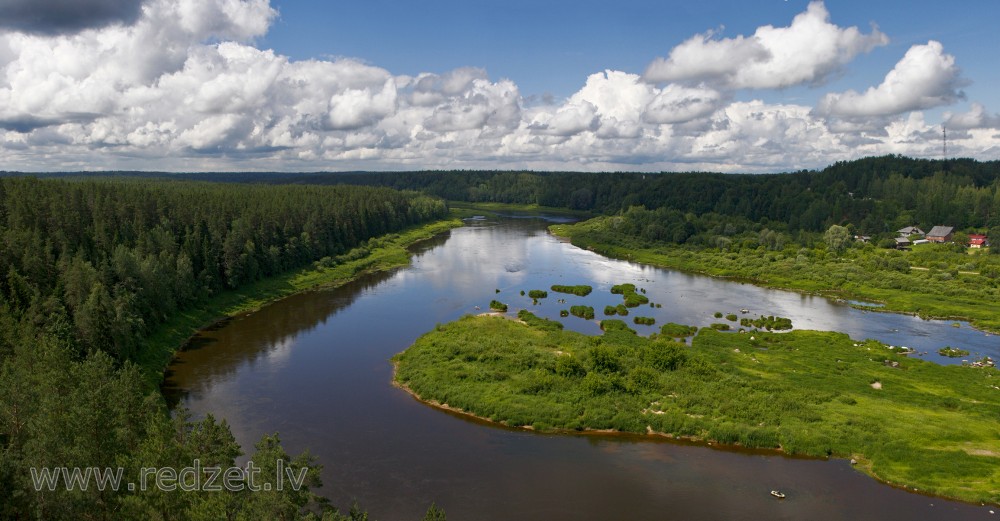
(171, 335)
(627, 291)
(675, 330)
(952, 352)
(579, 290)
(947, 285)
(929, 426)
(586, 312)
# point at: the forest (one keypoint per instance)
(90, 268)
(876, 195)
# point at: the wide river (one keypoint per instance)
(314, 367)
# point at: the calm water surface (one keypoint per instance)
(314, 367)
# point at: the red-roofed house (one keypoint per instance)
(978, 241)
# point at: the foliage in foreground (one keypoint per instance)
(805, 392)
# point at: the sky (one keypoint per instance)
(293, 85)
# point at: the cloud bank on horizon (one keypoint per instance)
(180, 85)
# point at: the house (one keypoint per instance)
(978, 241)
(902, 243)
(940, 234)
(910, 230)
(863, 238)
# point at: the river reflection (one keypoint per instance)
(314, 367)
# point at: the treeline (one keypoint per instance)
(115, 258)
(876, 194)
(89, 267)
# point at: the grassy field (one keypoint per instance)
(926, 282)
(918, 424)
(387, 252)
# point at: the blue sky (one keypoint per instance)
(550, 47)
(632, 85)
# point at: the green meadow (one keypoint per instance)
(913, 423)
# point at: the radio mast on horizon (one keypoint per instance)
(944, 142)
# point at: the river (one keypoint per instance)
(314, 367)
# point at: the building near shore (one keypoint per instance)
(940, 234)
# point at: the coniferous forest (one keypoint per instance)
(90, 268)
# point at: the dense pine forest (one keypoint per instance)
(873, 194)
(90, 268)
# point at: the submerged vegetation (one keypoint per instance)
(932, 280)
(769, 323)
(952, 352)
(620, 310)
(586, 312)
(632, 298)
(578, 290)
(804, 392)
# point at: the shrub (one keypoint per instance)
(675, 330)
(569, 367)
(537, 293)
(645, 321)
(604, 359)
(665, 357)
(615, 325)
(496, 305)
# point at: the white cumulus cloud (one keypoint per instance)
(924, 78)
(806, 52)
(184, 87)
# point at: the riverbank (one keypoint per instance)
(519, 210)
(392, 252)
(927, 427)
(929, 294)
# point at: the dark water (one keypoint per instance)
(314, 367)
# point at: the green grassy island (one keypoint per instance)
(586, 312)
(579, 290)
(913, 423)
